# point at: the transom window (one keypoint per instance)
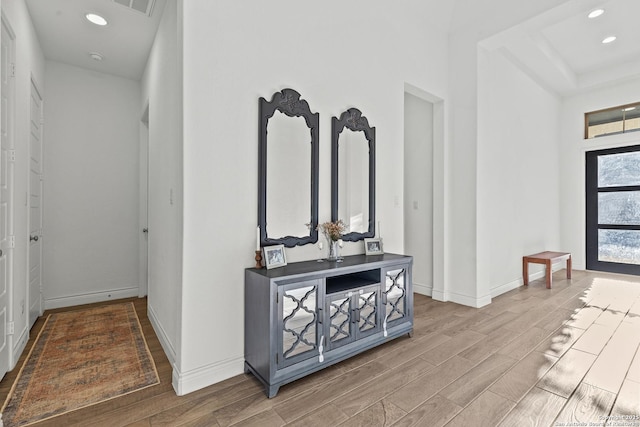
(612, 121)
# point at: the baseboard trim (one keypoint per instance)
(423, 289)
(74, 300)
(196, 379)
(470, 301)
(443, 296)
(438, 295)
(461, 299)
(165, 343)
(19, 349)
(501, 289)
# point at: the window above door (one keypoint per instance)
(612, 121)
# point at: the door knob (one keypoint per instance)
(145, 230)
(33, 238)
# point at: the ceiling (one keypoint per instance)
(125, 42)
(560, 48)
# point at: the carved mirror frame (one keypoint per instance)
(289, 103)
(354, 120)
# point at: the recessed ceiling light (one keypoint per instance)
(595, 13)
(609, 39)
(96, 56)
(96, 19)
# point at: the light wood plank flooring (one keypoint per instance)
(535, 356)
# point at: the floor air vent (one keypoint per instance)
(142, 6)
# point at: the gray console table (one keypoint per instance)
(308, 315)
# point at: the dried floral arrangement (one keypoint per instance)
(333, 231)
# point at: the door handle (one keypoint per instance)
(33, 238)
(145, 230)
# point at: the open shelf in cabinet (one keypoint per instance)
(345, 282)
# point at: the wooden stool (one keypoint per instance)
(547, 258)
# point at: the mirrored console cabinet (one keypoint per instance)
(309, 315)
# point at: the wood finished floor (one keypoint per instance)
(534, 356)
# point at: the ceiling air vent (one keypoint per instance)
(142, 6)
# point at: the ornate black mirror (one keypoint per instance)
(287, 171)
(353, 174)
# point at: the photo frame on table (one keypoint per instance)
(274, 256)
(373, 246)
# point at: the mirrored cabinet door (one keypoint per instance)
(340, 318)
(352, 315)
(298, 322)
(394, 296)
(367, 312)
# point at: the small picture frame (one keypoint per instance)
(373, 247)
(274, 256)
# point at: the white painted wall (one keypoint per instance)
(518, 170)
(418, 189)
(90, 245)
(162, 88)
(29, 63)
(261, 48)
(573, 147)
(462, 283)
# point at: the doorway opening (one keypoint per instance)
(35, 205)
(426, 182)
(418, 188)
(143, 284)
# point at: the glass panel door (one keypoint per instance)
(340, 319)
(394, 296)
(367, 312)
(613, 210)
(298, 321)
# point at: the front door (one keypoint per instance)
(35, 206)
(613, 210)
(7, 158)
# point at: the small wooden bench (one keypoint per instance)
(547, 258)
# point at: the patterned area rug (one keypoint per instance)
(81, 358)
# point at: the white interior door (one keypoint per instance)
(35, 206)
(7, 158)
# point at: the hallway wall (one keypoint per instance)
(518, 167)
(162, 89)
(90, 246)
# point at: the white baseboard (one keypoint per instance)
(74, 300)
(501, 289)
(19, 348)
(423, 289)
(461, 299)
(470, 301)
(196, 379)
(162, 335)
(438, 295)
